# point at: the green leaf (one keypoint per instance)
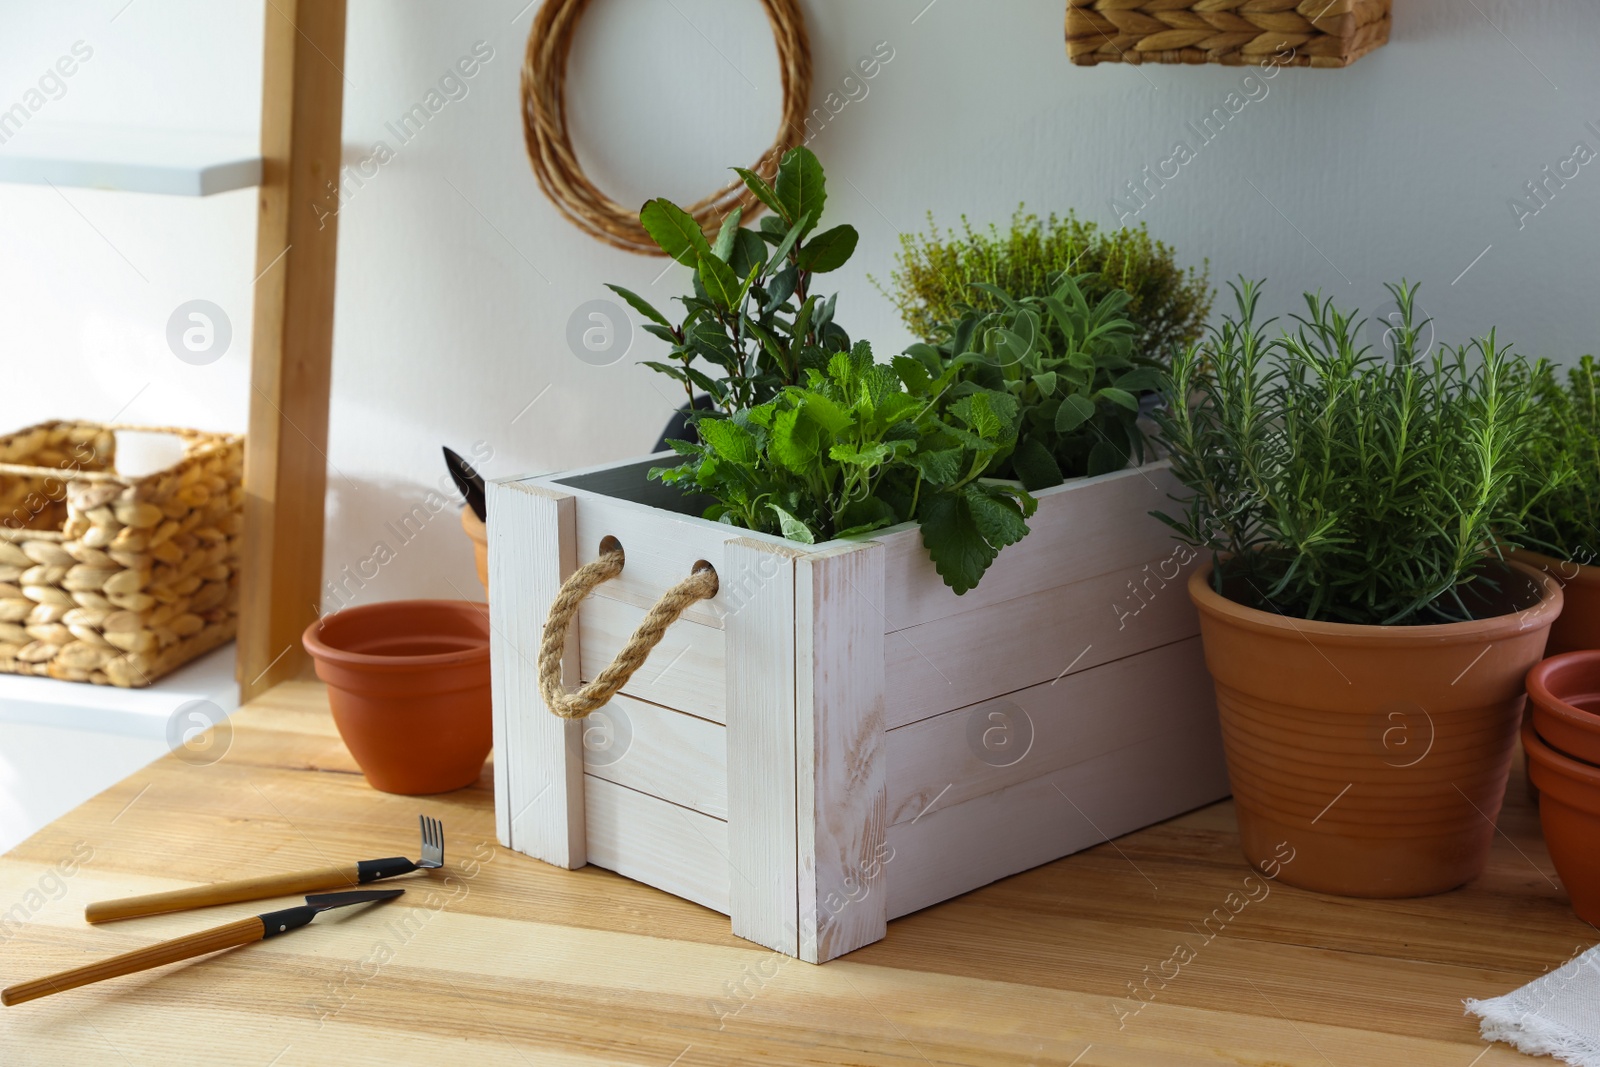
(1036, 468)
(729, 440)
(1120, 397)
(749, 253)
(1140, 380)
(793, 528)
(997, 517)
(722, 247)
(639, 304)
(758, 185)
(864, 516)
(722, 285)
(939, 466)
(795, 233)
(1046, 381)
(675, 230)
(978, 412)
(1074, 411)
(850, 455)
(801, 189)
(996, 292)
(828, 250)
(955, 543)
(1106, 457)
(914, 373)
(795, 444)
(828, 415)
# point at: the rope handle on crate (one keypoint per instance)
(593, 695)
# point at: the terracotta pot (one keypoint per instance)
(1565, 693)
(1377, 754)
(408, 681)
(1569, 812)
(1579, 624)
(479, 532)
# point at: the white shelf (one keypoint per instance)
(177, 163)
(63, 742)
(106, 709)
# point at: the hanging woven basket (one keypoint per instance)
(1293, 33)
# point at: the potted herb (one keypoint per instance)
(1071, 367)
(936, 273)
(1560, 497)
(1367, 642)
(807, 437)
(781, 610)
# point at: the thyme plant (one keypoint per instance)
(1337, 483)
(935, 273)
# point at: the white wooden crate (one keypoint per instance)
(836, 739)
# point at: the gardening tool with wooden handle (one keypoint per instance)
(215, 939)
(275, 885)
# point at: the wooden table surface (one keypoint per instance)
(503, 960)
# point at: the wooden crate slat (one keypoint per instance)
(841, 809)
(685, 671)
(953, 850)
(940, 762)
(998, 648)
(662, 548)
(1080, 530)
(658, 843)
(539, 796)
(759, 580)
(659, 751)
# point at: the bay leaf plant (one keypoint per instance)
(807, 436)
(752, 325)
(1339, 483)
(1070, 364)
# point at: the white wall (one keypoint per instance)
(457, 278)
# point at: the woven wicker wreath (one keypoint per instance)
(555, 164)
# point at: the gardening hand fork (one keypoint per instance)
(276, 885)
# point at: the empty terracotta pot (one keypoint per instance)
(1378, 754)
(1569, 812)
(1565, 693)
(1579, 624)
(479, 532)
(408, 682)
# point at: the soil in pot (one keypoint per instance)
(1569, 812)
(1564, 692)
(1579, 624)
(408, 682)
(1377, 754)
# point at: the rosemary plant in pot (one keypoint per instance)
(1366, 640)
(1560, 497)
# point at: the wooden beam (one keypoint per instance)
(302, 104)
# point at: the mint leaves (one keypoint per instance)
(855, 450)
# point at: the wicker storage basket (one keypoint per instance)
(1322, 33)
(112, 579)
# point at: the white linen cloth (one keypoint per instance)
(1556, 1014)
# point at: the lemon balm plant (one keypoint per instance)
(1366, 640)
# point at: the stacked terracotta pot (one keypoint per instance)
(1562, 739)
